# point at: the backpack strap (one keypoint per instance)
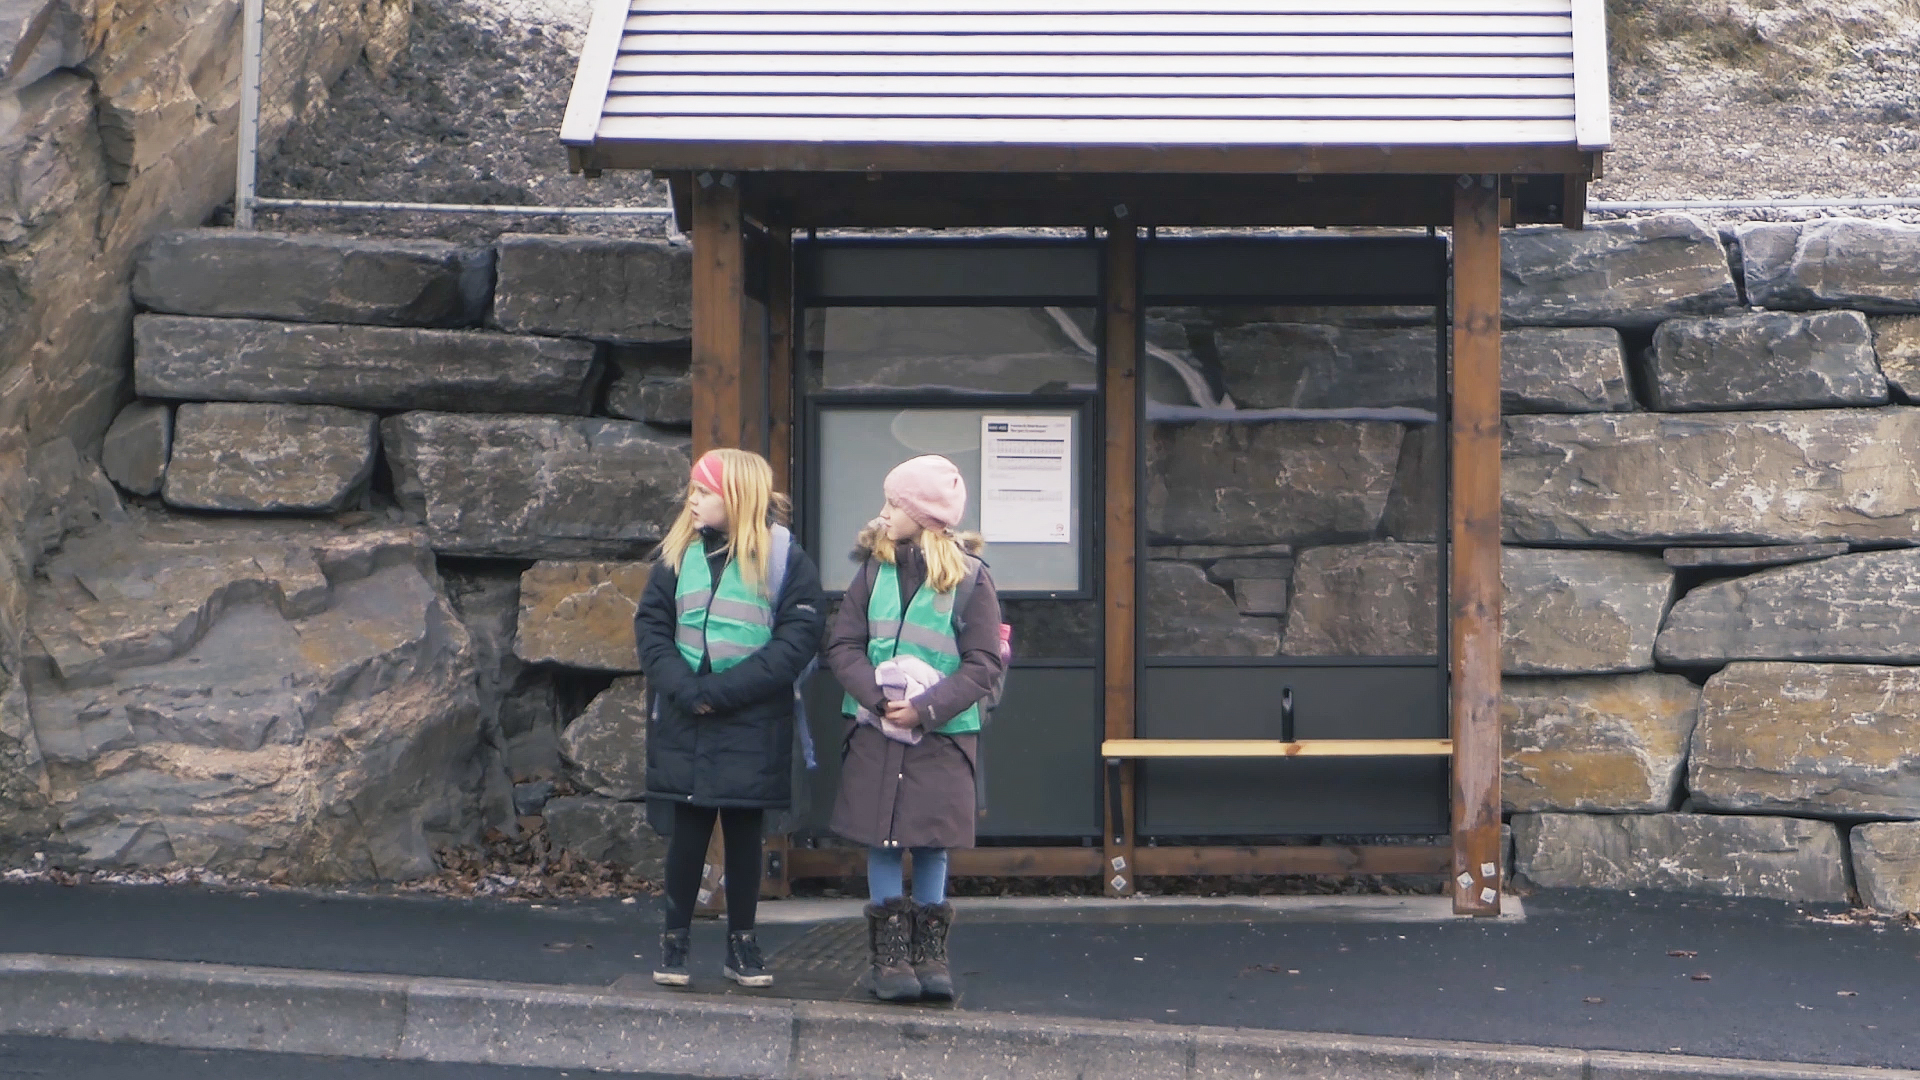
(777, 563)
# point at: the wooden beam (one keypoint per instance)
(1474, 545)
(780, 338)
(721, 372)
(1316, 859)
(1326, 860)
(1120, 395)
(697, 155)
(1274, 748)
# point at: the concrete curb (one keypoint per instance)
(213, 1006)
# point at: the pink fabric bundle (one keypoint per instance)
(930, 489)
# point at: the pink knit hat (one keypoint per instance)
(930, 489)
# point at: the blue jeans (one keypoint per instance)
(885, 873)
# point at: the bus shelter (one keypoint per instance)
(1204, 296)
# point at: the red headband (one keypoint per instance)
(710, 473)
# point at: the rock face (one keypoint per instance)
(1734, 478)
(581, 614)
(589, 287)
(1860, 607)
(1580, 612)
(313, 277)
(1365, 600)
(603, 830)
(1413, 509)
(257, 700)
(652, 386)
(1886, 865)
(1749, 558)
(1187, 615)
(1627, 274)
(1211, 482)
(135, 451)
(1771, 857)
(606, 748)
(1770, 360)
(1896, 341)
(1572, 370)
(1613, 744)
(1818, 739)
(298, 458)
(369, 367)
(1316, 366)
(1871, 266)
(534, 486)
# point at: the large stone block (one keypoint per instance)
(1863, 607)
(1546, 369)
(1872, 266)
(1772, 857)
(135, 450)
(1187, 615)
(1580, 612)
(518, 696)
(1217, 482)
(313, 277)
(581, 614)
(1376, 599)
(1818, 739)
(606, 747)
(1729, 478)
(606, 831)
(369, 367)
(1896, 342)
(297, 458)
(1627, 274)
(1614, 743)
(1749, 558)
(651, 386)
(257, 700)
(1886, 865)
(1767, 360)
(537, 487)
(1317, 366)
(592, 287)
(1419, 486)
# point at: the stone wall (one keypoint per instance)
(1712, 512)
(117, 120)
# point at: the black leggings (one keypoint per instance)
(687, 857)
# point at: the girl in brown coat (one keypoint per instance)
(907, 776)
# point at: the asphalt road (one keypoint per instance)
(69, 1059)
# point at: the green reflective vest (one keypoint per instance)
(725, 625)
(924, 630)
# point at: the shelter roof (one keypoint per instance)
(1165, 86)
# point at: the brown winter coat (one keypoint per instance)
(892, 794)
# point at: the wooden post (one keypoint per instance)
(1120, 395)
(1474, 586)
(722, 373)
(780, 335)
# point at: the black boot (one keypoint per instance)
(744, 964)
(889, 945)
(931, 922)
(672, 969)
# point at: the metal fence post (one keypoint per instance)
(253, 14)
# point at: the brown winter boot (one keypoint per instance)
(931, 922)
(889, 941)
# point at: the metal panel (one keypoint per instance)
(1381, 67)
(1121, 7)
(946, 272)
(1175, 24)
(1049, 132)
(1213, 85)
(1041, 753)
(1064, 45)
(1295, 270)
(1151, 108)
(1593, 125)
(597, 55)
(1265, 797)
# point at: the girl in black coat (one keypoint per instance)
(723, 635)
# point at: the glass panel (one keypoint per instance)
(1006, 350)
(1293, 482)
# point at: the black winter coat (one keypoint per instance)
(740, 753)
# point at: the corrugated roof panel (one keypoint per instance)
(1086, 72)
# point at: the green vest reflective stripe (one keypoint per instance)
(924, 630)
(725, 625)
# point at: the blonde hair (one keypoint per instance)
(752, 508)
(945, 552)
